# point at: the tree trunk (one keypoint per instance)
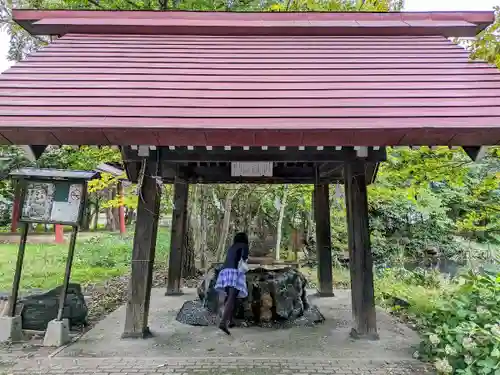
(194, 219)
(279, 229)
(203, 228)
(87, 216)
(188, 264)
(226, 221)
(310, 220)
(96, 214)
(115, 210)
(190, 238)
(129, 216)
(111, 223)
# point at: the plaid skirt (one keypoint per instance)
(232, 277)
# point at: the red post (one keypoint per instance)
(121, 209)
(59, 233)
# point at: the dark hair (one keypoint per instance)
(241, 237)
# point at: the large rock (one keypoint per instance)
(274, 295)
(39, 309)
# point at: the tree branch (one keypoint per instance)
(133, 4)
(93, 2)
(163, 4)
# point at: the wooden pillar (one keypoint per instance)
(17, 273)
(177, 243)
(143, 255)
(59, 229)
(121, 209)
(16, 206)
(67, 273)
(323, 239)
(360, 256)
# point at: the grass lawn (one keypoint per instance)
(96, 259)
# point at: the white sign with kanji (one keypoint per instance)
(252, 169)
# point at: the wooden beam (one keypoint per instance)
(323, 239)
(304, 173)
(177, 243)
(203, 170)
(291, 154)
(360, 256)
(143, 255)
(132, 167)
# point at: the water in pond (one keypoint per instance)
(443, 265)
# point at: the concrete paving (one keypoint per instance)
(215, 366)
(178, 348)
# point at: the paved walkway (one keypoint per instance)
(180, 349)
(215, 366)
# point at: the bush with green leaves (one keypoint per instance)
(462, 331)
(399, 222)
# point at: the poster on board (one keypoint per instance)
(49, 202)
(38, 201)
(67, 210)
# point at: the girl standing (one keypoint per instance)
(231, 279)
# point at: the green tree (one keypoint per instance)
(23, 43)
(487, 44)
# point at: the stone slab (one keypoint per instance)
(11, 329)
(57, 333)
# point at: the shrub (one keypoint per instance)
(399, 222)
(462, 332)
(420, 289)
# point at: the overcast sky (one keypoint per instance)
(410, 5)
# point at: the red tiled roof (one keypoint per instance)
(249, 90)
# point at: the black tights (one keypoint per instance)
(227, 315)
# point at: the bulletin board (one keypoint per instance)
(52, 202)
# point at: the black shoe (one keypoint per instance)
(224, 329)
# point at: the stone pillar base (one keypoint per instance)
(373, 336)
(145, 334)
(324, 294)
(11, 329)
(57, 333)
(174, 293)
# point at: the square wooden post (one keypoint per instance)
(323, 239)
(143, 255)
(16, 207)
(177, 243)
(360, 255)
